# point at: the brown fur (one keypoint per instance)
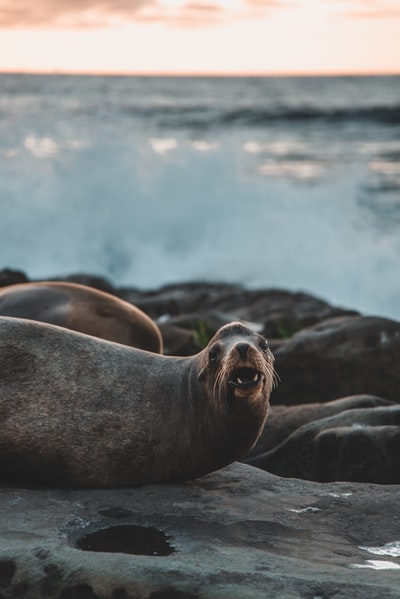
(80, 411)
(82, 309)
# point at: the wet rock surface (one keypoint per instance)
(236, 533)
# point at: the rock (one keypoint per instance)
(284, 420)
(182, 298)
(339, 357)
(239, 533)
(359, 445)
(178, 341)
(280, 313)
(11, 277)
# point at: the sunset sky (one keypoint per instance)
(200, 36)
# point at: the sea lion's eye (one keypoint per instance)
(214, 353)
(263, 345)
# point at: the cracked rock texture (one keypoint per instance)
(239, 533)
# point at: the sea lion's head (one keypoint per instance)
(238, 370)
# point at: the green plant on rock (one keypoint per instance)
(287, 328)
(202, 332)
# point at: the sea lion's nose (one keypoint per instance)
(242, 349)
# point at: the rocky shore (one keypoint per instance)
(244, 532)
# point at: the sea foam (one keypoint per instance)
(308, 208)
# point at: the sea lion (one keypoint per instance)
(81, 411)
(82, 309)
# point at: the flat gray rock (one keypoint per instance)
(239, 533)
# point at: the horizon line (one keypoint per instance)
(222, 74)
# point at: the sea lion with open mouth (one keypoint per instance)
(81, 411)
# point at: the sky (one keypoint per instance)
(221, 37)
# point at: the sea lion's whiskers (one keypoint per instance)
(219, 388)
(272, 373)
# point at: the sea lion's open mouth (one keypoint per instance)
(245, 378)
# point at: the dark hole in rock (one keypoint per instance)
(127, 538)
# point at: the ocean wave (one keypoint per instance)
(204, 103)
(205, 117)
(380, 114)
(194, 117)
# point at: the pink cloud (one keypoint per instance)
(26, 13)
(370, 9)
(187, 16)
(393, 13)
(89, 13)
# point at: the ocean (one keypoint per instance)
(277, 182)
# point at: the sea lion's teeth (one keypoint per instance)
(239, 380)
(255, 377)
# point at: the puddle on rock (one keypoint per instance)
(377, 564)
(131, 539)
(391, 549)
